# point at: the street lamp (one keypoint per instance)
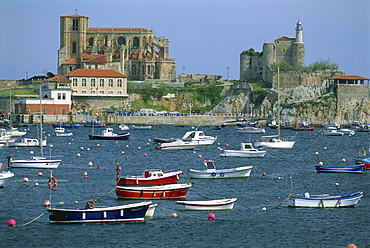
(228, 68)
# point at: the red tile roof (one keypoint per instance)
(57, 79)
(349, 77)
(119, 29)
(71, 61)
(285, 38)
(95, 73)
(97, 59)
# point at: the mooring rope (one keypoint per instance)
(281, 203)
(105, 195)
(33, 220)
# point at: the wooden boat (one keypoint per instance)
(27, 142)
(168, 192)
(211, 205)
(62, 132)
(199, 138)
(246, 151)
(151, 177)
(326, 201)
(107, 134)
(64, 125)
(358, 168)
(273, 142)
(177, 145)
(94, 124)
(304, 128)
(145, 127)
(250, 130)
(4, 175)
(134, 212)
(212, 172)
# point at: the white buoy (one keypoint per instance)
(264, 208)
(78, 154)
(90, 164)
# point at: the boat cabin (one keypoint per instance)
(153, 173)
(194, 135)
(247, 147)
(210, 165)
(108, 132)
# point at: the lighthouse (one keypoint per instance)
(298, 32)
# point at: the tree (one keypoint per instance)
(324, 65)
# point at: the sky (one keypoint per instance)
(206, 36)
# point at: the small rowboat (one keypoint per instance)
(212, 205)
(135, 212)
(246, 151)
(4, 176)
(146, 127)
(107, 134)
(358, 168)
(168, 192)
(212, 172)
(326, 201)
(250, 130)
(151, 177)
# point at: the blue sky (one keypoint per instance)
(206, 36)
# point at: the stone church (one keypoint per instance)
(255, 65)
(134, 52)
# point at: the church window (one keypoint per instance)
(83, 82)
(136, 42)
(101, 82)
(134, 70)
(91, 41)
(74, 24)
(70, 68)
(148, 69)
(121, 40)
(105, 41)
(74, 47)
(143, 69)
(119, 83)
(110, 82)
(92, 82)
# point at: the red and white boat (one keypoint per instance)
(161, 192)
(365, 161)
(151, 177)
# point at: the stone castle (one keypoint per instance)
(134, 52)
(255, 65)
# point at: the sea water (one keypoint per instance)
(254, 222)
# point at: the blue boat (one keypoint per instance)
(64, 125)
(125, 213)
(358, 168)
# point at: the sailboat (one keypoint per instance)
(36, 162)
(275, 141)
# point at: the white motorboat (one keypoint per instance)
(250, 130)
(108, 134)
(177, 145)
(199, 138)
(332, 131)
(211, 205)
(123, 127)
(27, 142)
(4, 176)
(62, 132)
(35, 163)
(347, 131)
(246, 151)
(15, 132)
(212, 172)
(145, 127)
(273, 142)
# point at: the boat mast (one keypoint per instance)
(40, 139)
(278, 101)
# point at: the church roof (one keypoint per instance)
(349, 77)
(119, 29)
(75, 15)
(97, 59)
(71, 61)
(285, 38)
(95, 73)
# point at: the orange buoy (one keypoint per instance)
(46, 203)
(174, 215)
(39, 174)
(199, 156)
(25, 180)
(99, 167)
(264, 174)
(139, 148)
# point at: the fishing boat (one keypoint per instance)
(199, 138)
(304, 128)
(212, 172)
(332, 131)
(36, 162)
(4, 175)
(250, 130)
(210, 205)
(365, 162)
(164, 140)
(177, 145)
(168, 192)
(358, 168)
(62, 132)
(134, 212)
(326, 201)
(145, 127)
(246, 151)
(64, 125)
(151, 177)
(347, 131)
(107, 134)
(27, 142)
(15, 132)
(94, 124)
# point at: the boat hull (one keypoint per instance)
(177, 145)
(327, 201)
(212, 205)
(250, 130)
(126, 213)
(168, 178)
(95, 126)
(4, 176)
(244, 171)
(274, 145)
(35, 163)
(243, 154)
(167, 192)
(348, 169)
(113, 137)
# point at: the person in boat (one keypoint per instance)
(118, 170)
(90, 204)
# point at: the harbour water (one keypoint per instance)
(247, 225)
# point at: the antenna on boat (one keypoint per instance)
(40, 139)
(278, 101)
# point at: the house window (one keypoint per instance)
(63, 111)
(74, 82)
(83, 82)
(93, 92)
(119, 92)
(59, 96)
(74, 24)
(101, 92)
(92, 82)
(63, 96)
(101, 82)
(83, 91)
(110, 92)
(110, 82)
(119, 83)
